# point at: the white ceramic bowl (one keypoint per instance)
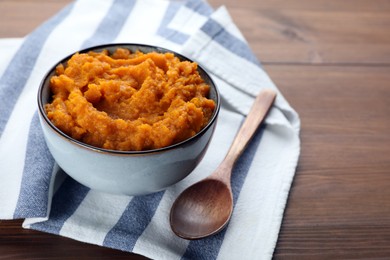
(125, 172)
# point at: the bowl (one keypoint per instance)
(125, 172)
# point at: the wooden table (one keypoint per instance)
(331, 60)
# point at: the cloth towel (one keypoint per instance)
(33, 187)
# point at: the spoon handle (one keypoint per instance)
(256, 115)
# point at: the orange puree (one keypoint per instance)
(129, 101)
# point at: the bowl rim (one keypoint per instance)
(120, 152)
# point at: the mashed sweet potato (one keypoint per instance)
(129, 101)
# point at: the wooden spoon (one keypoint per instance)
(204, 208)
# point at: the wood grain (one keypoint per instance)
(20, 17)
(331, 60)
(315, 32)
(337, 208)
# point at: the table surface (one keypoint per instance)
(331, 60)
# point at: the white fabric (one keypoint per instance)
(270, 166)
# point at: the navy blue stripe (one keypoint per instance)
(200, 7)
(19, 69)
(34, 190)
(197, 6)
(229, 41)
(65, 202)
(133, 222)
(167, 33)
(208, 248)
(112, 23)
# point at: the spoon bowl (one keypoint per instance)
(205, 208)
(210, 213)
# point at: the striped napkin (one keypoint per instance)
(34, 188)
